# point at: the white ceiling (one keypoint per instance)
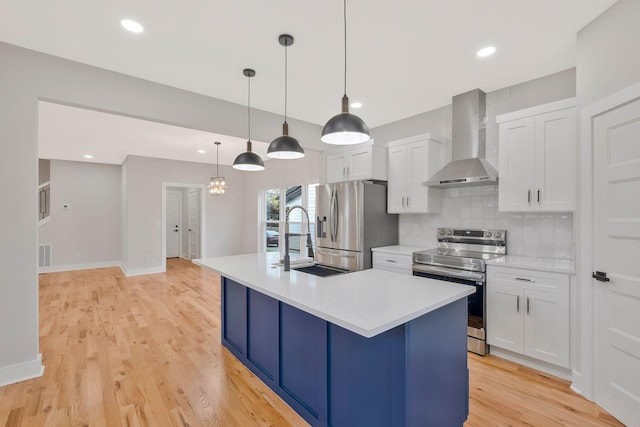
(68, 133)
(405, 56)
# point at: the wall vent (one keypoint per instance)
(44, 255)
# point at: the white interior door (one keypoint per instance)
(174, 223)
(616, 252)
(194, 223)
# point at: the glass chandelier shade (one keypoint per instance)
(217, 184)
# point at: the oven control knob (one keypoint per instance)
(498, 234)
(449, 232)
(440, 232)
(488, 234)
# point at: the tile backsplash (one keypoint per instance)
(545, 235)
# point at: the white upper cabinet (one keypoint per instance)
(538, 158)
(361, 161)
(411, 162)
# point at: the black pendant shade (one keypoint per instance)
(345, 128)
(248, 161)
(285, 146)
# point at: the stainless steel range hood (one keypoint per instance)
(468, 166)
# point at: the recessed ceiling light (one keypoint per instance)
(356, 105)
(88, 156)
(201, 151)
(132, 26)
(486, 51)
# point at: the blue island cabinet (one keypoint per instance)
(412, 375)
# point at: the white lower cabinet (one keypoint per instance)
(393, 262)
(528, 313)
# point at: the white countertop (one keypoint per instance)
(366, 302)
(398, 249)
(540, 264)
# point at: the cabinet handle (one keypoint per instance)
(407, 201)
(529, 197)
(344, 171)
(538, 196)
(348, 170)
(522, 279)
(517, 303)
(528, 305)
(391, 260)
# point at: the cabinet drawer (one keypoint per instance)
(529, 279)
(384, 261)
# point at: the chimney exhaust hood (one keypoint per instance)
(469, 166)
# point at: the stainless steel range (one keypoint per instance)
(461, 257)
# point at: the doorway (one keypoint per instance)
(174, 223)
(183, 209)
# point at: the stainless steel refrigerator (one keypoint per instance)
(351, 219)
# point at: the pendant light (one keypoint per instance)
(285, 146)
(217, 184)
(345, 128)
(248, 161)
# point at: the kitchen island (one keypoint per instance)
(367, 348)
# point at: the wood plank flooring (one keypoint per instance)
(145, 351)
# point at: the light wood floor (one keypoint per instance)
(146, 351)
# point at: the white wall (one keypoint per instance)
(27, 76)
(278, 174)
(88, 233)
(608, 58)
(143, 238)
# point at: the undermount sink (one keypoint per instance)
(320, 270)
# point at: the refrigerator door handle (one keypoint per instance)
(334, 217)
(331, 218)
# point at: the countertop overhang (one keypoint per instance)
(366, 302)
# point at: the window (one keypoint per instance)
(276, 203)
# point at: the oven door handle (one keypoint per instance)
(449, 272)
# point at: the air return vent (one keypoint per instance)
(44, 255)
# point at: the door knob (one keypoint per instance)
(600, 276)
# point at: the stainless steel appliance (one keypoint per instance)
(352, 218)
(468, 145)
(461, 257)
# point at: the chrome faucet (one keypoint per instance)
(287, 262)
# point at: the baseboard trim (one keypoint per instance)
(129, 272)
(71, 267)
(530, 362)
(21, 371)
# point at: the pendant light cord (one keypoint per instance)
(249, 109)
(345, 45)
(286, 66)
(217, 159)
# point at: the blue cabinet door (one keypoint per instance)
(263, 323)
(366, 378)
(303, 364)
(234, 317)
